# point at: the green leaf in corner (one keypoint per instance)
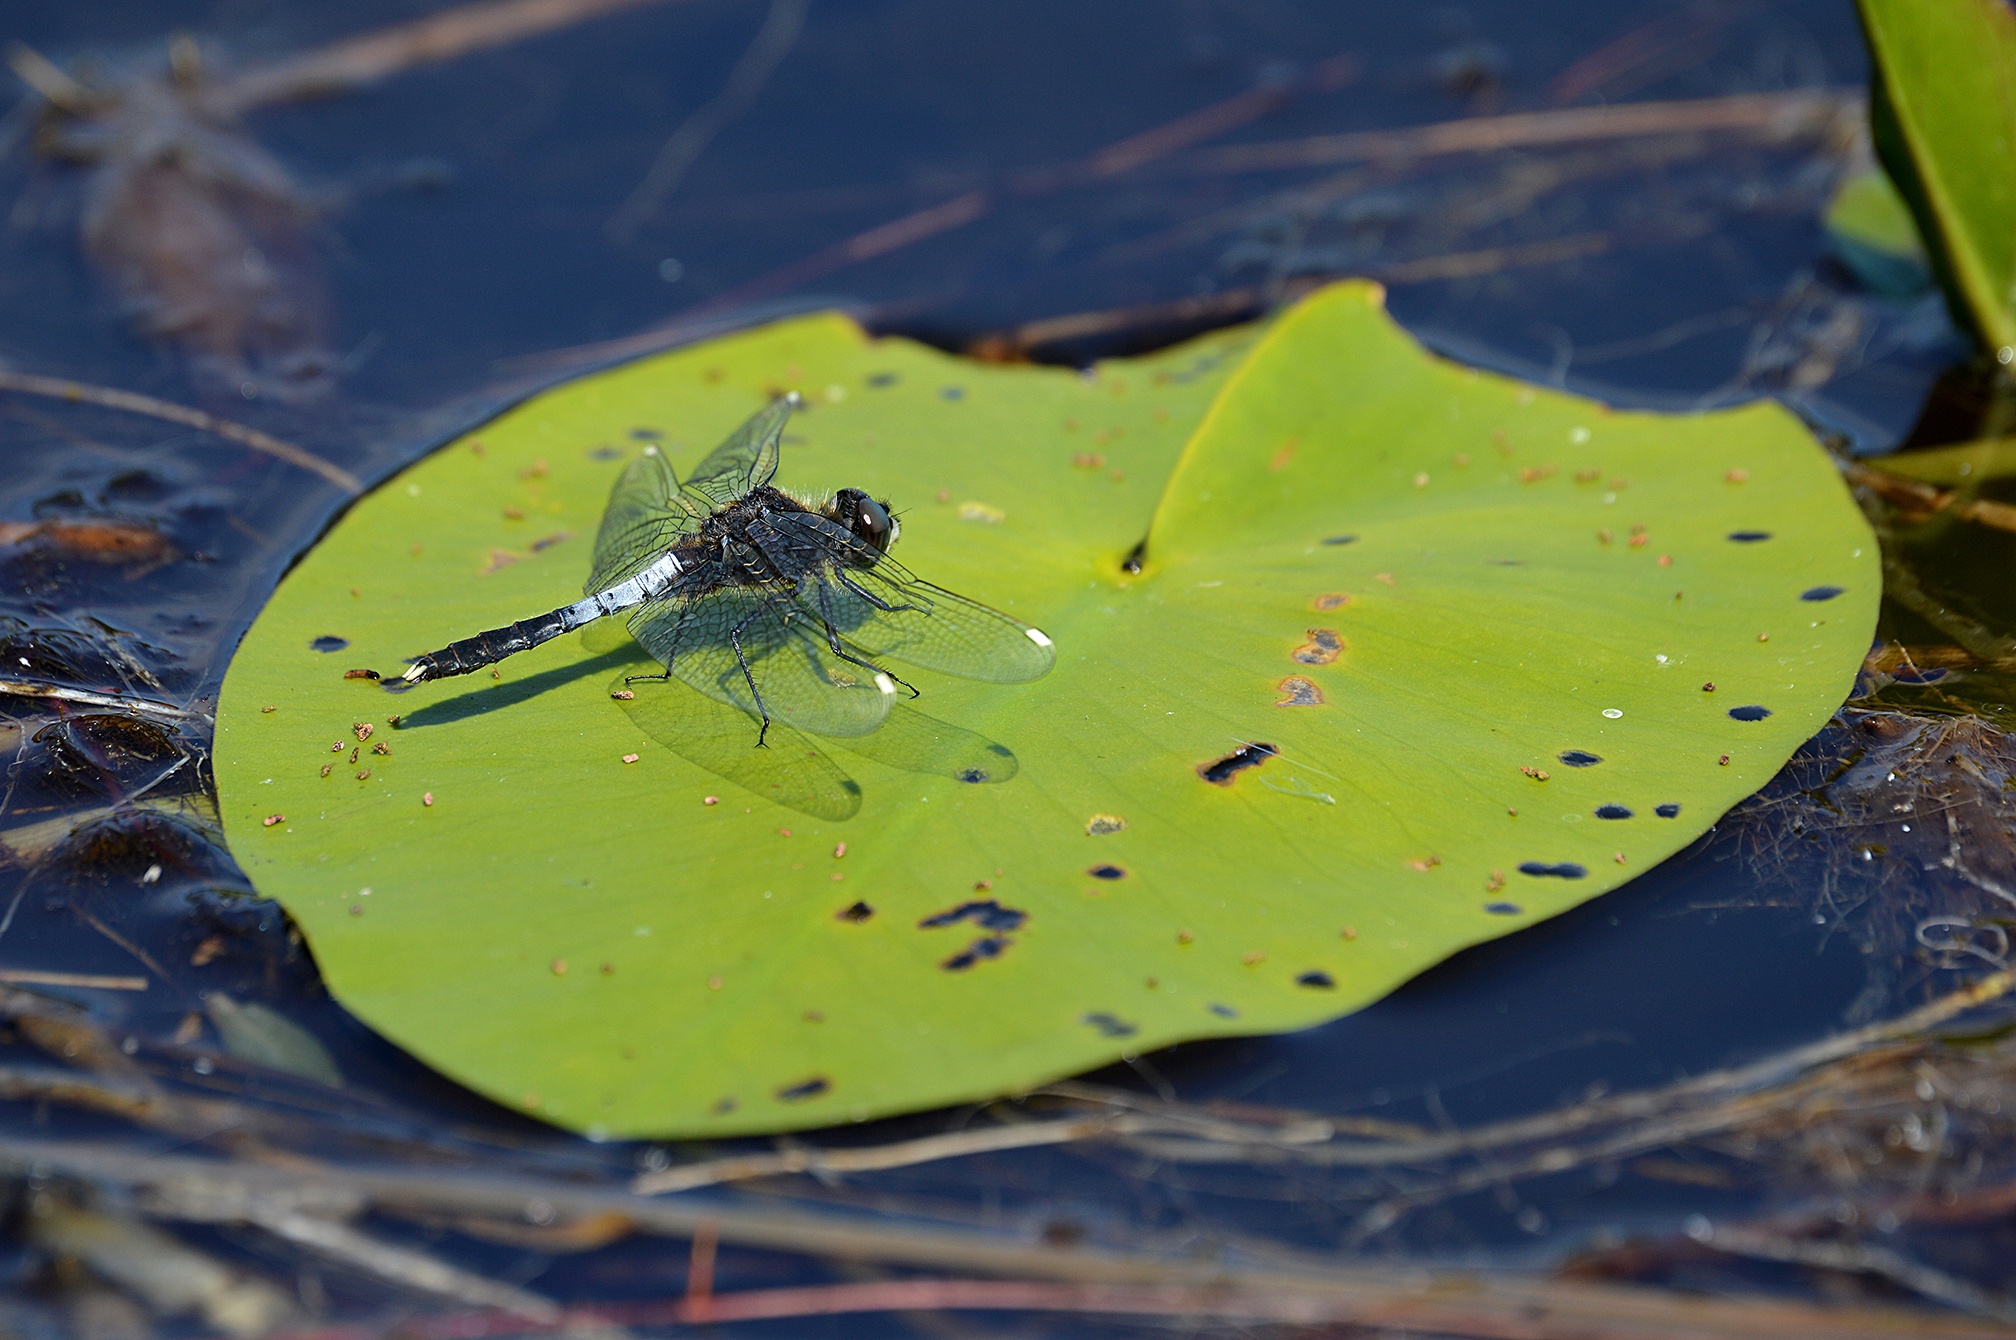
(1871, 232)
(1412, 656)
(1942, 109)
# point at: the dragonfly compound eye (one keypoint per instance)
(871, 521)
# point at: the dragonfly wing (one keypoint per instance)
(801, 682)
(645, 516)
(881, 610)
(746, 460)
(793, 772)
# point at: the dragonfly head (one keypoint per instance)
(871, 521)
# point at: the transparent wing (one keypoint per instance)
(882, 611)
(747, 459)
(645, 516)
(792, 772)
(800, 680)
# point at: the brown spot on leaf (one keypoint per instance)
(1299, 692)
(1322, 648)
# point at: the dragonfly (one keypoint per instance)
(786, 607)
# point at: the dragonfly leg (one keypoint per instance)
(877, 601)
(833, 635)
(735, 641)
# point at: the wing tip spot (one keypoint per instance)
(887, 685)
(1039, 637)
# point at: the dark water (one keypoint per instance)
(457, 219)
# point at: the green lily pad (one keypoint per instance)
(1413, 656)
(1944, 124)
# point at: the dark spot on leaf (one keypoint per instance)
(1821, 592)
(1316, 977)
(1108, 1026)
(975, 775)
(988, 946)
(725, 1106)
(1504, 909)
(606, 453)
(1613, 811)
(642, 435)
(328, 644)
(809, 1088)
(1749, 536)
(1222, 1011)
(987, 915)
(1669, 810)
(1340, 539)
(951, 393)
(1135, 556)
(1107, 872)
(1321, 648)
(881, 379)
(857, 914)
(1565, 870)
(1579, 758)
(1750, 713)
(1221, 772)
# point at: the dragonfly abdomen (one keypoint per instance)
(487, 648)
(473, 653)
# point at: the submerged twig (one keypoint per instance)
(1122, 156)
(1924, 499)
(205, 236)
(770, 45)
(1313, 1288)
(358, 61)
(1792, 115)
(58, 388)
